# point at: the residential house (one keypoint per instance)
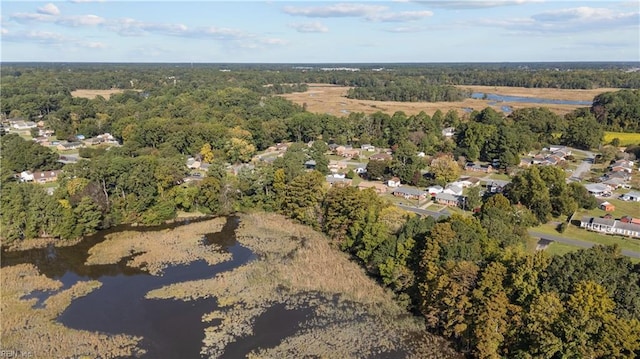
(46, 176)
(466, 182)
(393, 182)
(447, 199)
(607, 207)
(614, 183)
(629, 219)
(379, 188)
(368, 147)
(610, 226)
(360, 169)
(410, 193)
(622, 166)
(496, 186)
(453, 190)
(526, 162)
(380, 157)
(23, 125)
(631, 196)
(448, 132)
(475, 167)
(338, 181)
(350, 153)
(335, 166)
(26, 176)
(620, 174)
(193, 164)
(598, 189)
(62, 146)
(434, 190)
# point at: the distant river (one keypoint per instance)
(505, 98)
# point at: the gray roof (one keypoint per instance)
(635, 194)
(596, 187)
(628, 226)
(410, 191)
(447, 197)
(603, 221)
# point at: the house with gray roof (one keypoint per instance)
(410, 193)
(610, 226)
(447, 199)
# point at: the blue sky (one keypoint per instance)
(320, 32)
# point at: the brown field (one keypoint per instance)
(323, 98)
(91, 94)
(158, 249)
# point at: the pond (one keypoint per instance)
(505, 98)
(119, 306)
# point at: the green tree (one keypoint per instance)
(445, 169)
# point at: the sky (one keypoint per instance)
(320, 32)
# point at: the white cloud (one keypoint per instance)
(474, 4)
(49, 9)
(402, 16)
(84, 1)
(31, 17)
(405, 29)
(94, 45)
(275, 41)
(307, 27)
(337, 10)
(81, 20)
(580, 19)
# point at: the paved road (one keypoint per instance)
(425, 212)
(577, 242)
(584, 166)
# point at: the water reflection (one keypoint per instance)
(171, 328)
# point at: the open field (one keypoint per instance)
(626, 138)
(323, 98)
(91, 94)
(573, 232)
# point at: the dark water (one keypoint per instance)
(171, 328)
(505, 98)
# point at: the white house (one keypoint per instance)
(631, 196)
(453, 189)
(434, 190)
(26, 176)
(597, 189)
(393, 182)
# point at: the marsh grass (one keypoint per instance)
(154, 251)
(352, 316)
(39, 243)
(28, 329)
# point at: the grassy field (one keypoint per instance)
(626, 138)
(574, 232)
(91, 94)
(623, 208)
(323, 98)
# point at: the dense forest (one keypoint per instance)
(470, 277)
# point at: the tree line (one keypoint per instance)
(470, 277)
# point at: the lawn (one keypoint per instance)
(578, 233)
(623, 208)
(626, 138)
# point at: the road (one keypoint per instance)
(577, 242)
(425, 212)
(584, 166)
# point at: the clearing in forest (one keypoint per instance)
(331, 99)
